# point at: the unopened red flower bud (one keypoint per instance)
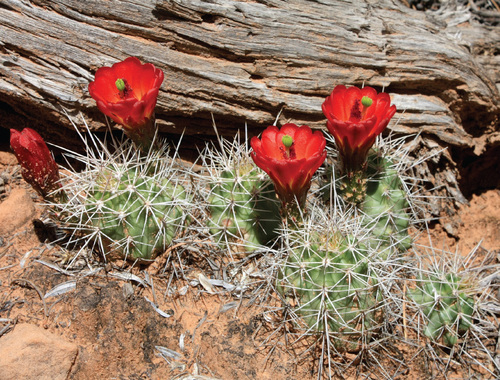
(38, 167)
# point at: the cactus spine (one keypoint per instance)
(243, 210)
(129, 204)
(445, 305)
(330, 277)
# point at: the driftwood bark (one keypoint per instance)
(245, 61)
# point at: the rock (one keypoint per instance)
(16, 210)
(30, 352)
(7, 158)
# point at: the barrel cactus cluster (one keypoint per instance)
(333, 216)
(340, 258)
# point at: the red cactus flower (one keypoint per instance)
(38, 167)
(355, 118)
(127, 93)
(290, 156)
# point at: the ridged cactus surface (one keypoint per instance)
(447, 308)
(336, 290)
(244, 211)
(385, 204)
(136, 214)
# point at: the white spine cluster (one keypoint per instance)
(124, 202)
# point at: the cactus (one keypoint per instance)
(137, 214)
(331, 279)
(447, 308)
(241, 208)
(340, 272)
(379, 192)
(128, 204)
(385, 205)
(244, 211)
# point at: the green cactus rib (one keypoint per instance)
(244, 210)
(385, 205)
(445, 305)
(335, 289)
(377, 190)
(137, 215)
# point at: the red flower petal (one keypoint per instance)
(291, 169)
(354, 126)
(133, 107)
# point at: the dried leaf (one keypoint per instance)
(221, 283)
(205, 282)
(127, 276)
(157, 309)
(167, 353)
(61, 289)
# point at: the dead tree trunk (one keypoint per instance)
(245, 61)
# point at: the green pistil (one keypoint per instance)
(287, 141)
(120, 84)
(366, 101)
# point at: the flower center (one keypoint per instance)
(355, 111)
(123, 87)
(358, 109)
(288, 151)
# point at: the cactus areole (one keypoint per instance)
(355, 118)
(290, 156)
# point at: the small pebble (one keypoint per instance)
(5, 177)
(128, 290)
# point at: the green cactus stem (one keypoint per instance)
(244, 211)
(377, 190)
(125, 204)
(335, 289)
(447, 308)
(385, 204)
(136, 215)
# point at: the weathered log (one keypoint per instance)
(245, 61)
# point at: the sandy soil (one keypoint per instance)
(193, 334)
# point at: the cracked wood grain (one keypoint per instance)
(245, 61)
